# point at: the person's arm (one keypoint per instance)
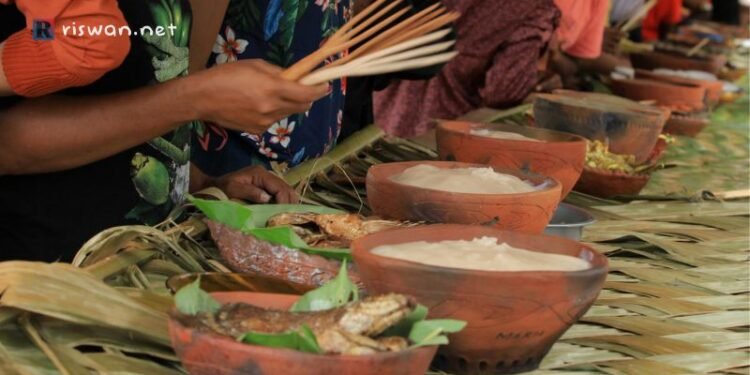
(34, 68)
(58, 133)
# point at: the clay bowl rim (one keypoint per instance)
(227, 297)
(654, 82)
(607, 173)
(673, 79)
(359, 250)
(452, 127)
(633, 109)
(386, 179)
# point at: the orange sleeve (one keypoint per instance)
(39, 67)
(589, 42)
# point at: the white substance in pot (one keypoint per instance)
(463, 180)
(481, 254)
(499, 134)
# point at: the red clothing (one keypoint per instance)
(582, 27)
(35, 67)
(499, 44)
(664, 12)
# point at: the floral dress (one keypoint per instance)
(280, 32)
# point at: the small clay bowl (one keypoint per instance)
(651, 60)
(560, 155)
(664, 93)
(685, 125)
(732, 75)
(606, 184)
(629, 127)
(713, 88)
(204, 353)
(513, 318)
(524, 212)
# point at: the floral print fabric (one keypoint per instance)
(280, 32)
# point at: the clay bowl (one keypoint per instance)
(523, 212)
(685, 125)
(629, 127)
(513, 318)
(732, 75)
(207, 354)
(607, 184)
(653, 60)
(713, 88)
(560, 156)
(664, 93)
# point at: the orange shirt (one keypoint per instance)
(664, 12)
(582, 27)
(38, 67)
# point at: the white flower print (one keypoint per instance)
(228, 49)
(322, 3)
(281, 131)
(266, 151)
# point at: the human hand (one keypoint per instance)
(255, 184)
(250, 95)
(611, 40)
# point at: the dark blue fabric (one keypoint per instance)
(280, 32)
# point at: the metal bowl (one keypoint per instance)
(568, 221)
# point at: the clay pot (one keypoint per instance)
(513, 318)
(664, 93)
(685, 126)
(523, 212)
(203, 353)
(607, 184)
(654, 60)
(713, 88)
(560, 156)
(629, 127)
(732, 75)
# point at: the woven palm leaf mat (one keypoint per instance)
(676, 300)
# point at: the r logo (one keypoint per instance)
(43, 30)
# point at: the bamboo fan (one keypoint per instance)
(393, 45)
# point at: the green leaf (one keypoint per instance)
(233, 214)
(302, 340)
(431, 332)
(403, 327)
(192, 300)
(337, 292)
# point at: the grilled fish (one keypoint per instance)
(349, 329)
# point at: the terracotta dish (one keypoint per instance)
(524, 212)
(688, 126)
(513, 318)
(664, 93)
(654, 60)
(713, 88)
(204, 353)
(560, 156)
(629, 127)
(606, 184)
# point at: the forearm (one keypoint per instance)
(58, 133)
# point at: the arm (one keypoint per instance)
(58, 133)
(34, 67)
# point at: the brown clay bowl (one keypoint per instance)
(513, 318)
(713, 88)
(664, 93)
(685, 126)
(607, 184)
(651, 60)
(732, 75)
(204, 353)
(629, 127)
(560, 156)
(523, 212)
